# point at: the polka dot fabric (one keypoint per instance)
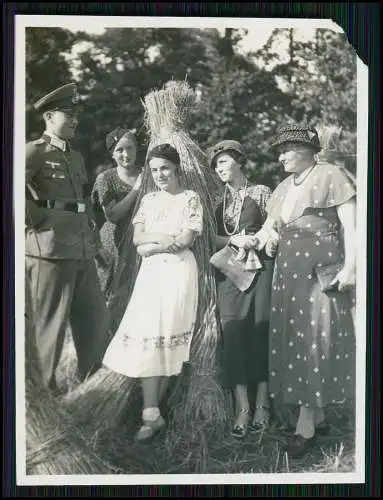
(312, 341)
(327, 186)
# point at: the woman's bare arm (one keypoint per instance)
(347, 216)
(182, 240)
(140, 237)
(116, 211)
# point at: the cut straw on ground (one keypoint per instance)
(107, 394)
(53, 442)
(107, 407)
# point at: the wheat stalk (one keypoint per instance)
(104, 397)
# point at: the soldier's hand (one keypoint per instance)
(102, 257)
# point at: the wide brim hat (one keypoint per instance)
(224, 147)
(65, 97)
(300, 134)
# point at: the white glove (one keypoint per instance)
(262, 236)
(271, 247)
(239, 240)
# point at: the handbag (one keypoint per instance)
(326, 275)
(233, 264)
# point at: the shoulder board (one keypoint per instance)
(38, 141)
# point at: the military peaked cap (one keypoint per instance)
(63, 97)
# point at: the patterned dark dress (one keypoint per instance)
(245, 315)
(312, 341)
(109, 187)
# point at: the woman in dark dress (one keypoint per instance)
(114, 194)
(312, 339)
(244, 315)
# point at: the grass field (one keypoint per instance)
(256, 454)
(202, 452)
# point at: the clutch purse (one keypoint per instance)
(240, 271)
(325, 275)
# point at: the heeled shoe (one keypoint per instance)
(322, 429)
(262, 424)
(240, 430)
(149, 429)
(298, 445)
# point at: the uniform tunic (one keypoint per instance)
(60, 245)
(245, 315)
(312, 342)
(56, 174)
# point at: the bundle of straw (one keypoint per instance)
(329, 137)
(338, 146)
(54, 444)
(167, 112)
(104, 397)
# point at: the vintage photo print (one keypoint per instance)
(191, 276)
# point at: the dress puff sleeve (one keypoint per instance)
(261, 195)
(328, 186)
(333, 187)
(194, 213)
(141, 214)
(103, 192)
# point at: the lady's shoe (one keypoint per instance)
(323, 429)
(149, 429)
(255, 427)
(240, 430)
(298, 445)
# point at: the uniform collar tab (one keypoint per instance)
(55, 141)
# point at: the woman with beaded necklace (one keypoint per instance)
(244, 314)
(312, 339)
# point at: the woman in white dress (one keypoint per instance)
(154, 336)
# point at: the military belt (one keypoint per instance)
(61, 205)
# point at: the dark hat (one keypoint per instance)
(115, 135)
(226, 146)
(61, 98)
(301, 134)
(165, 151)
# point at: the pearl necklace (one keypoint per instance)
(230, 233)
(304, 178)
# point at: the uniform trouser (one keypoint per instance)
(66, 292)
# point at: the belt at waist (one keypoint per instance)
(61, 205)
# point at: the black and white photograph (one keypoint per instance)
(191, 272)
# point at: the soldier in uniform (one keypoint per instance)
(61, 243)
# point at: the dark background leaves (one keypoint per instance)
(243, 97)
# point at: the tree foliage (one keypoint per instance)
(320, 78)
(243, 97)
(46, 67)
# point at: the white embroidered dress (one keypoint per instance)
(155, 333)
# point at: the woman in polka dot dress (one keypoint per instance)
(312, 341)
